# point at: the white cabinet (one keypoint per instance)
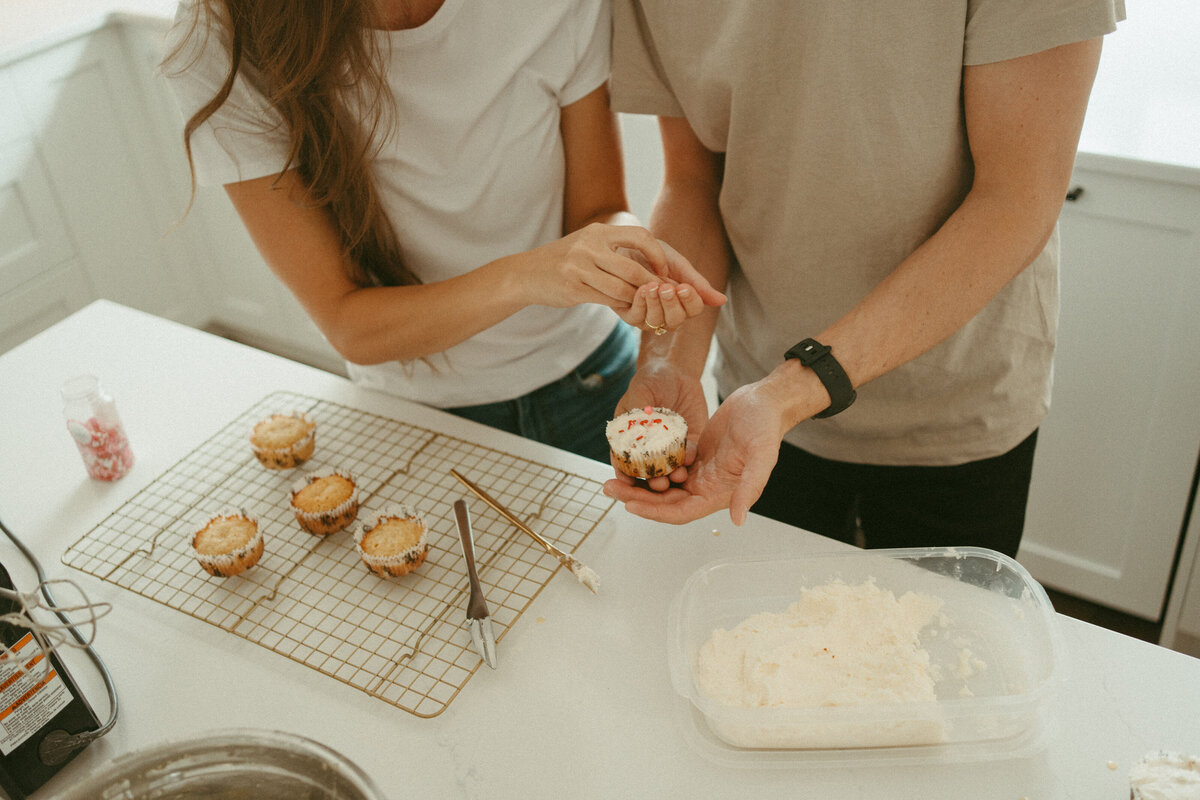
(93, 193)
(1117, 453)
(83, 213)
(40, 279)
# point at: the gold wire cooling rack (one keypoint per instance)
(310, 598)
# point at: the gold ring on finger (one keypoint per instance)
(659, 330)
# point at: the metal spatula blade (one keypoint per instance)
(479, 620)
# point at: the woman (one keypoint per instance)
(439, 183)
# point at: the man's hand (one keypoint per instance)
(659, 383)
(735, 454)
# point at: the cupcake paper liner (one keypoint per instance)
(226, 565)
(323, 523)
(397, 564)
(290, 456)
(652, 463)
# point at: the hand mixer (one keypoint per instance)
(57, 727)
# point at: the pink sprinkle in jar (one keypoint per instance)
(93, 423)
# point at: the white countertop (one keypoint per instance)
(581, 705)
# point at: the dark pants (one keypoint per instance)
(981, 503)
(572, 412)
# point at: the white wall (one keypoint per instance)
(1145, 103)
(643, 162)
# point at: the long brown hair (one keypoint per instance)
(319, 68)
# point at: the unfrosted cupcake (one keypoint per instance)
(283, 441)
(228, 543)
(647, 442)
(325, 501)
(394, 543)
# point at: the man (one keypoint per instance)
(877, 192)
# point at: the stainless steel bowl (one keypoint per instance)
(237, 764)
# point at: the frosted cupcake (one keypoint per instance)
(647, 442)
(325, 501)
(283, 441)
(394, 543)
(228, 544)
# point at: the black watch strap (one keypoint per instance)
(820, 360)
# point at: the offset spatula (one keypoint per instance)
(479, 619)
(586, 575)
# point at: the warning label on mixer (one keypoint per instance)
(31, 693)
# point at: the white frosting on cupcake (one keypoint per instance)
(647, 442)
(645, 430)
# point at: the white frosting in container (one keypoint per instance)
(1165, 776)
(838, 645)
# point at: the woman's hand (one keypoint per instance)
(620, 266)
(681, 293)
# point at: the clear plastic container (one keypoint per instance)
(230, 765)
(92, 420)
(994, 618)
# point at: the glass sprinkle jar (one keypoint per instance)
(93, 423)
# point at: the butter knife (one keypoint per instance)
(479, 619)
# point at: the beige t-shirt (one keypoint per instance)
(845, 148)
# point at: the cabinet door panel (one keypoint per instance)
(39, 303)
(33, 237)
(92, 135)
(1117, 452)
(12, 123)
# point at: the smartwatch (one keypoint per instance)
(820, 360)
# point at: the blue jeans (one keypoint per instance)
(571, 412)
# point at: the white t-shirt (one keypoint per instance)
(474, 170)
